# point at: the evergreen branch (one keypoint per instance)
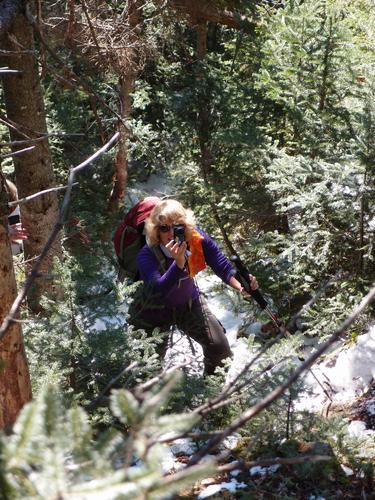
(97, 401)
(278, 391)
(34, 273)
(232, 387)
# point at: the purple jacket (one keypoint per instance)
(174, 288)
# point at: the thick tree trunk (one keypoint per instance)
(15, 387)
(25, 107)
(9, 9)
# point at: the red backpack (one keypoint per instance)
(129, 239)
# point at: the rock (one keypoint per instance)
(183, 447)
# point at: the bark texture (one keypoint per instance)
(15, 387)
(8, 11)
(25, 110)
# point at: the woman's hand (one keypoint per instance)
(17, 232)
(178, 252)
(234, 283)
(253, 282)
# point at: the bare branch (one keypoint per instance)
(36, 195)
(230, 389)
(9, 123)
(276, 393)
(81, 81)
(91, 406)
(149, 383)
(12, 52)
(41, 138)
(6, 71)
(59, 224)
(16, 153)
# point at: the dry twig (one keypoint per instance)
(278, 391)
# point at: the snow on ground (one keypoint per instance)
(182, 349)
(231, 487)
(344, 376)
(156, 185)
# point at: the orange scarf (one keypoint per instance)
(196, 260)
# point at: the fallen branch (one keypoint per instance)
(276, 393)
(267, 462)
(56, 229)
(233, 387)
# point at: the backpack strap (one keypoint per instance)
(127, 229)
(160, 257)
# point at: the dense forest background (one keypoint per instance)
(261, 116)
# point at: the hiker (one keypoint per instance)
(167, 267)
(17, 233)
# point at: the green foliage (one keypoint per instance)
(84, 340)
(53, 452)
(272, 135)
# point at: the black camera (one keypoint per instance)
(178, 233)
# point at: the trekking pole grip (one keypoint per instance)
(243, 277)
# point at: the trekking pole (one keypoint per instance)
(243, 278)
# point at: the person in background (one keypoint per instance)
(17, 233)
(168, 267)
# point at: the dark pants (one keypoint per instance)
(198, 322)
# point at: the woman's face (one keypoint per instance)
(166, 232)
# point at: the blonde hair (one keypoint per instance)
(168, 212)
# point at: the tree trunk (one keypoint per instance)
(117, 196)
(25, 108)
(126, 87)
(15, 387)
(204, 127)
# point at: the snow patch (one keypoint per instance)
(344, 378)
(257, 470)
(232, 486)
